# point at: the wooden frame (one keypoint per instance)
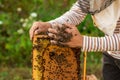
(52, 62)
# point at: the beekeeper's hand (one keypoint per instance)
(38, 27)
(75, 41)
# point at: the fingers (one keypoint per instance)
(58, 43)
(37, 28)
(32, 30)
(63, 44)
(53, 42)
(68, 30)
(51, 35)
(37, 31)
(52, 30)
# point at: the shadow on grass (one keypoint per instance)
(15, 73)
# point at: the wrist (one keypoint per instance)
(81, 41)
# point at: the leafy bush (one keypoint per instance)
(16, 18)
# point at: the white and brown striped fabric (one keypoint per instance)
(117, 30)
(111, 43)
(116, 54)
(94, 6)
(74, 16)
(108, 43)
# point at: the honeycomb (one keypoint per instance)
(52, 62)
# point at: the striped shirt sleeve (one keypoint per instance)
(107, 43)
(74, 16)
(117, 30)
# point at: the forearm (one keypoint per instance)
(74, 16)
(107, 43)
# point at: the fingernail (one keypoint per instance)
(48, 29)
(35, 32)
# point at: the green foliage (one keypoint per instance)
(16, 18)
(15, 73)
(87, 27)
(15, 21)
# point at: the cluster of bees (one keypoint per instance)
(53, 62)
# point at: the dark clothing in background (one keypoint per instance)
(111, 67)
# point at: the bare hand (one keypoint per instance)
(75, 41)
(38, 27)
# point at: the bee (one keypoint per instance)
(54, 62)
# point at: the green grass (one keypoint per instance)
(94, 64)
(16, 47)
(15, 73)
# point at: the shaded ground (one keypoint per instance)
(15, 74)
(26, 73)
(94, 66)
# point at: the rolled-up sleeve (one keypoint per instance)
(74, 16)
(107, 43)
